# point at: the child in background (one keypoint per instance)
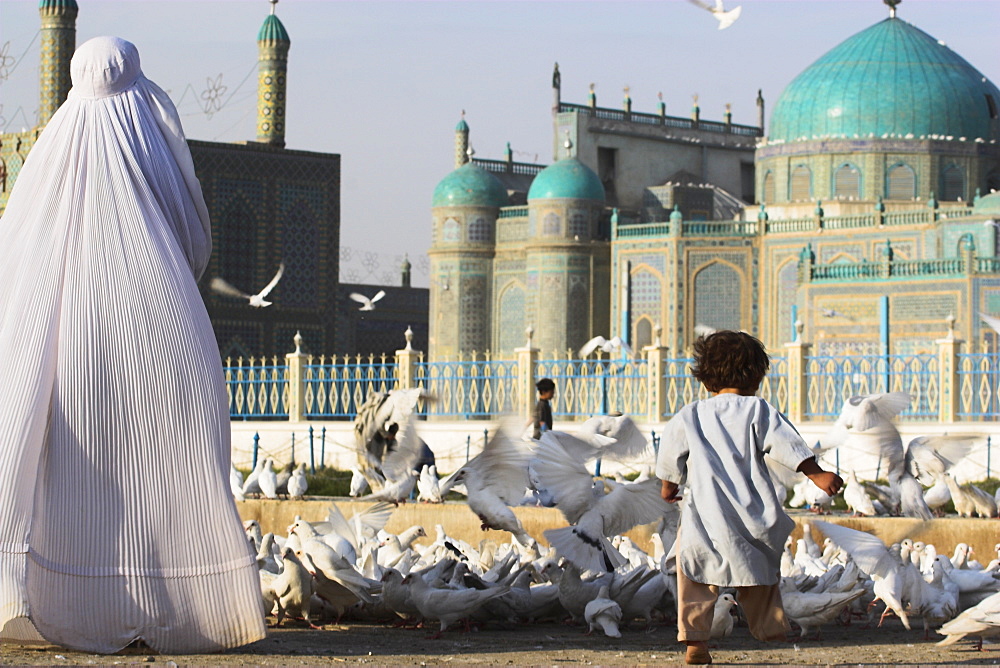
(543, 410)
(732, 527)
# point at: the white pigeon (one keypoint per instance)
(615, 436)
(604, 614)
(236, 482)
(297, 484)
(864, 429)
(722, 616)
(605, 346)
(268, 480)
(856, 497)
(725, 17)
(448, 605)
(495, 479)
(938, 494)
(878, 562)
(257, 301)
(358, 482)
(992, 321)
(250, 485)
(981, 621)
(428, 485)
(813, 609)
(367, 304)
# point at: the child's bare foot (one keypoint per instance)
(697, 653)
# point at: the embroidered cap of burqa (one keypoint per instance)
(116, 520)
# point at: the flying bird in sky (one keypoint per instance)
(366, 303)
(725, 18)
(257, 300)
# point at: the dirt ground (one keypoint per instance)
(538, 644)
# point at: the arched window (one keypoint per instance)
(512, 307)
(643, 333)
(901, 182)
(952, 184)
(847, 182)
(717, 290)
(237, 248)
(800, 185)
(768, 189)
(451, 231)
(300, 244)
(551, 223)
(578, 307)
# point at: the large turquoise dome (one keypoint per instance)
(891, 78)
(988, 204)
(566, 179)
(470, 185)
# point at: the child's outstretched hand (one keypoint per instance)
(669, 492)
(826, 480)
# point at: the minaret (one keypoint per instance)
(272, 72)
(760, 110)
(405, 272)
(461, 142)
(58, 36)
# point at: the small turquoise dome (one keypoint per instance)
(891, 78)
(567, 179)
(987, 204)
(470, 185)
(273, 31)
(462, 126)
(55, 5)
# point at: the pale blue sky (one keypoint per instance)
(384, 83)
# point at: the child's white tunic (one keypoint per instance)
(732, 525)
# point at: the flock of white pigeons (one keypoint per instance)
(591, 572)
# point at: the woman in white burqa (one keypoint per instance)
(116, 521)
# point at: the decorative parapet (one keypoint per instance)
(661, 119)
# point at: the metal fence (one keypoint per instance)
(471, 389)
(257, 389)
(480, 387)
(335, 389)
(831, 380)
(586, 387)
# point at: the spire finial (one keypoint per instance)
(892, 7)
(274, 4)
(470, 152)
(659, 96)
(568, 144)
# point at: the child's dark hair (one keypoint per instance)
(730, 359)
(545, 384)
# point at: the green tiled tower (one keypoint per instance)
(272, 75)
(58, 37)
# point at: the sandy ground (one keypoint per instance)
(539, 644)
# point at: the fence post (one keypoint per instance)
(527, 357)
(656, 382)
(296, 362)
(948, 350)
(798, 388)
(406, 364)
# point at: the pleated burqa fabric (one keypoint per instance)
(116, 519)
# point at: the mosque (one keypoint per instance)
(268, 204)
(863, 219)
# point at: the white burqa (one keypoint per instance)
(116, 520)
(733, 527)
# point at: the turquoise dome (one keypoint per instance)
(462, 126)
(891, 78)
(470, 185)
(987, 204)
(273, 31)
(55, 5)
(567, 179)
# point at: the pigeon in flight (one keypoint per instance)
(366, 303)
(725, 18)
(604, 345)
(992, 321)
(257, 300)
